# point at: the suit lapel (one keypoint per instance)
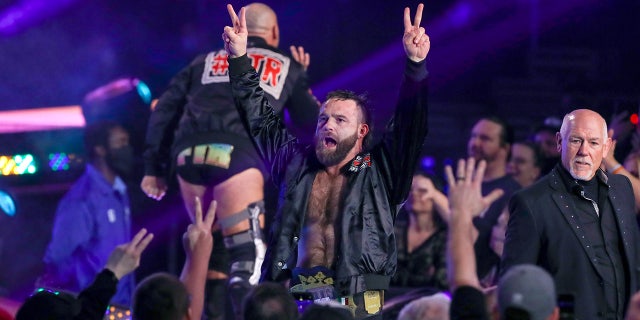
(562, 199)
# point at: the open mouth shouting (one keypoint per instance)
(329, 142)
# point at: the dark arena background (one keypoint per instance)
(524, 60)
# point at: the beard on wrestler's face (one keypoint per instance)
(330, 151)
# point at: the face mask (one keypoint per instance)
(121, 160)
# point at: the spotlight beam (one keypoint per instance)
(28, 13)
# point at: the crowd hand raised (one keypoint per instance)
(126, 257)
(235, 37)
(415, 40)
(300, 56)
(198, 239)
(154, 187)
(465, 189)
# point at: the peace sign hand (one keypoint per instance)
(198, 239)
(235, 37)
(126, 257)
(415, 40)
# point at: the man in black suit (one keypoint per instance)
(578, 223)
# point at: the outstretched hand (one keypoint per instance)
(415, 40)
(465, 189)
(126, 257)
(235, 37)
(300, 56)
(198, 239)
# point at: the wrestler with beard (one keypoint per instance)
(339, 138)
(331, 152)
(333, 235)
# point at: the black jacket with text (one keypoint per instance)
(198, 104)
(378, 182)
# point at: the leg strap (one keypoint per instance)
(249, 213)
(246, 261)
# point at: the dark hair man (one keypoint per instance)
(334, 229)
(94, 216)
(490, 140)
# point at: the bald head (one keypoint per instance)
(583, 142)
(263, 22)
(579, 114)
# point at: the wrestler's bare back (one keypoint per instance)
(317, 242)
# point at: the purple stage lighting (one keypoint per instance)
(28, 13)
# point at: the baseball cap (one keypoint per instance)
(527, 288)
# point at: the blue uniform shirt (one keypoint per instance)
(91, 220)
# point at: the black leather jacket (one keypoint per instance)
(378, 182)
(198, 106)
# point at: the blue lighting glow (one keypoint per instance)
(428, 162)
(143, 91)
(59, 161)
(7, 204)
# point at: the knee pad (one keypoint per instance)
(246, 249)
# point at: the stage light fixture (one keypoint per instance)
(119, 87)
(18, 164)
(143, 91)
(428, 163)
(61, 161)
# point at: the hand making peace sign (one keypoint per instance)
(415, 40)
(235, 37)
(198, 239)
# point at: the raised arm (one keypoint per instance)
(197, 242)
(466, 202)
(405, 133)
(274, 143)
(235, 37)
(302, 105)
(300, 56)
(123, 260)
(126, 257)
